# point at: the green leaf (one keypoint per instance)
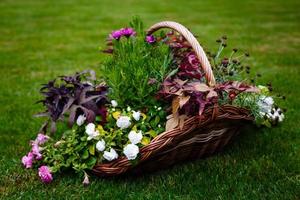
(92, 149)
(85, 154)
(143, 127)
(152, 133)
(157, 119)
(172, 73)
(98, 118)
(145, 140)
(267, 124)
(91, 162)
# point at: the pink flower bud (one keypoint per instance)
(36, 151)
(27, 160)
(45, 174)
(41, 138)
(86, 180)
(150, 39)
(116, 34)
(127, 32)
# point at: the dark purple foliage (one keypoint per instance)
(186, 87)
(192, 97)
(72, 96)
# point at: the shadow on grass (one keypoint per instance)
(243, 141)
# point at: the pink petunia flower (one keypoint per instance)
(36, 151)
(45, 174)
(116, 34)
(41, 138)
(127, 32)
(150, 39)
(27, 160)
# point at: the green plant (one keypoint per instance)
(136, 68)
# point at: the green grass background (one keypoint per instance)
(42, 39)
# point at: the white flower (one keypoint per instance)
(128, 109)
(136, 115)
(276, 115)
(281, 117)
(114, 103)
(265, 104)
(159, 108)
(159, 125)
(110, 155)
(90, 129)
(80, 120)
(100, 146)
(269, 100)
(123, 122)
(131, 151)
(135, 137)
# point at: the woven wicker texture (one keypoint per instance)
(199, 136)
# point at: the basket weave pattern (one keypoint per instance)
(199, 136)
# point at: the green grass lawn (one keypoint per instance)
(42, 39)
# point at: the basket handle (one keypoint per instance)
(193, 42)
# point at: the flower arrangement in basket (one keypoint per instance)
(160, 100)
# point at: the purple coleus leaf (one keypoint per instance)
(185, 87)
(74, 95)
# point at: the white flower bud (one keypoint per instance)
(131, 151)
(80, 120)
(136, 115)
(86, 180)
(114, 103)
(110, 155)
(265, 104)
(135, 137)
(100, 146)
(269, 100)
(123, 122)
(281, 117)
(90, 129)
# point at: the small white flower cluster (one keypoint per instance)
(131, 150)
(266, 106)
(92, 133)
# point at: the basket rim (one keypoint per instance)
(122, 164)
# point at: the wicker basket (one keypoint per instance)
(199, 136)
